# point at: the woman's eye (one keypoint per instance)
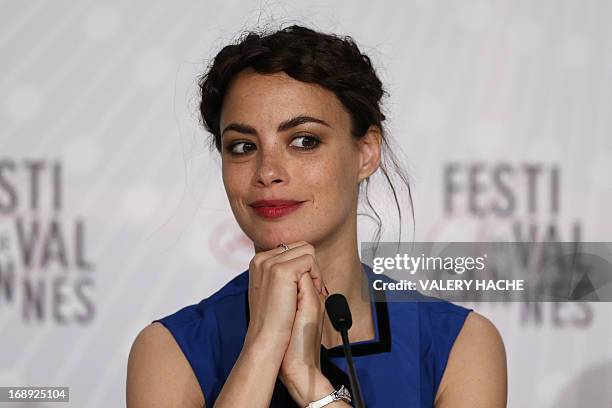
(239, 147)
(308, 142)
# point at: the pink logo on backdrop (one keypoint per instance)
(230, 245)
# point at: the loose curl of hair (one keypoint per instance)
(331, 61)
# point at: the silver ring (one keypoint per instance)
(285, 247)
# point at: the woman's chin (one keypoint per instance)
(271, 241)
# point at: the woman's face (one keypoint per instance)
(289, 140)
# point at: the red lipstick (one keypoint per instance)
(274, 208)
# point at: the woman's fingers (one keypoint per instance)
(308, 293)
(307, 263)
(256, 265)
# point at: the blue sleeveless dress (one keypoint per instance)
(401, 367)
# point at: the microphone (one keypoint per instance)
(340, 316)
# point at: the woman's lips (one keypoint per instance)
(276, 211)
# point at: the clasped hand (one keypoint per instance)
(286, 303)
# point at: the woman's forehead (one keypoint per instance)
(276, 97)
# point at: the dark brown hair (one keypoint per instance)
(331, 61)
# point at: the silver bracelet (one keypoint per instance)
(341, 394)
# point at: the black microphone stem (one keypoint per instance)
(352, 374)
(340, 317)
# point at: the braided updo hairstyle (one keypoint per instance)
(331, 61)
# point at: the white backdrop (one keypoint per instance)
(113, 213)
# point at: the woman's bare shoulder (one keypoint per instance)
(158, 374)
(475, 374)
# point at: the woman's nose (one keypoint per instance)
(270, 166)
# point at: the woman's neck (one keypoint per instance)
(343, 273)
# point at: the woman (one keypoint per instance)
(295, 116)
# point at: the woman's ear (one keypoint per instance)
(369, 151)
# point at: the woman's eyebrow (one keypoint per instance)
(285, 125)
(298, 120)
